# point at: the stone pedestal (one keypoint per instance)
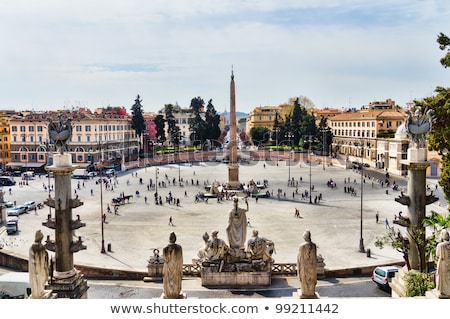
(47, 294)
(66, 281)
(233, 176)
(71, 285)
(298, 295)
(212, 278)
(155, 272)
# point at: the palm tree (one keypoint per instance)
(438, 222)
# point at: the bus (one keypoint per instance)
(7, 181)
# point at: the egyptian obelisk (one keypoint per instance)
(233, 167)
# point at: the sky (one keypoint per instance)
(57, 54)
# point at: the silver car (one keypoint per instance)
(16, 211)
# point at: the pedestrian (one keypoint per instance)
(248, 222)
(387, 223)
(145, 199)
(170, 221)
(104, 218)
(377, 216)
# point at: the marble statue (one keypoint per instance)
(237, 226)
(38, 266)
(260, 247)
(214, 249)
(60, 132)
(418, 125)
(307, 267)
(172, 269)
(443, 265)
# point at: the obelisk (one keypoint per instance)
(233, 167)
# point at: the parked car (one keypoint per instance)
(382, 276)
(16, 211)
(30, 205)
(12, 226)
(7, 203)
(110, 172)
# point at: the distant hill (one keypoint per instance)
(238, 114)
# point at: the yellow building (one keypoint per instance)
(264, 116)
(5, 141)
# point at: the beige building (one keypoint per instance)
(264, 116)
(105, 136)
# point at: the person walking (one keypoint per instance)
(377, 217)
(387, 223)
(170, 221)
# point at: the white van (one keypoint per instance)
(15, 285)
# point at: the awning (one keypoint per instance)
(23, 164)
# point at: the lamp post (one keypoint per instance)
(101, 211)
(289, 135)
(277, 130)
(179, 159)
(156, 180)
(310, 172)
(361, 240)
(323, 148)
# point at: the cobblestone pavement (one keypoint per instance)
(140, 226)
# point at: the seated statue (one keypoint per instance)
(213, 249)
(260, 247)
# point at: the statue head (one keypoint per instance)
(172, 238)
(445, 236)
(255, 232)
(214, 234)
(38, 236)
(307, 235)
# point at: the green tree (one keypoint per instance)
(137, 119)
(439, 137)
(444, 44)
(172, 127)
(260, 135)
(160, 124)
(197, 124)
(212, 121)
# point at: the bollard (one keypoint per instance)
(109, 247)
(368, 252)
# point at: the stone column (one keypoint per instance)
(233, 166)
(65, 280)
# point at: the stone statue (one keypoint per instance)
(172, 269)
(237, 226)
(307, 267)
(213, 249)
(60, 132)
(38, 266)
(443, 265)
(418, 126)
(260, 247)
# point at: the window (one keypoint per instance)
(22, 128)
(13, 128)
(30, 128)
(40, 128)
(87, 128)
(78, 128)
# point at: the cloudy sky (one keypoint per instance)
(338, 53)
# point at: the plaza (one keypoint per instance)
(140, 226)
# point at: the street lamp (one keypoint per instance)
(323, 148)
(101, 210)
(156, 180)
(289, 135)
(277, 130)
(310, 172)
(179, 159)
(361, 240)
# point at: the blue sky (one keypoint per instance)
(58, 53)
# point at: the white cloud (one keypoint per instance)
(331, 51)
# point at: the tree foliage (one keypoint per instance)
(197, 124)
(439, 137)
(137, 120)
(444, 45)
(212, 120)
(259, 135)
(160, 124)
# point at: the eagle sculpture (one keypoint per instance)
(60, 132)
(419, 125)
